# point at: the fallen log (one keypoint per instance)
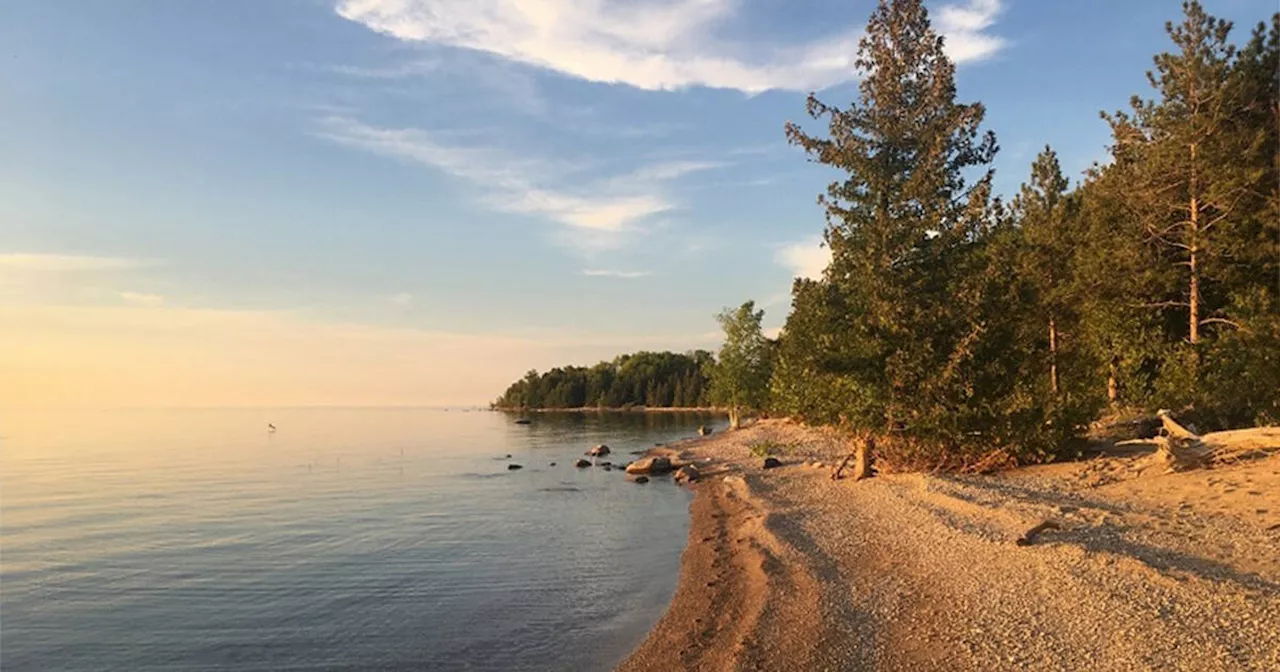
(1030, 535)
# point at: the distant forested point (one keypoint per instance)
(649, 379)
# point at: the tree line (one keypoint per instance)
(970, 331)
(650, 379)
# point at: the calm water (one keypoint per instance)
(350, 539)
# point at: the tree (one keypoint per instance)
(1187, 179)
(740, 377)
(916, 333)
(1044, 210)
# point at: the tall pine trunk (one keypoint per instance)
(1053, 355)
(1113, 385)
(1192, 248)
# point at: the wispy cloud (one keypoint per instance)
(142, 299)
(64, 263)
(965, 27)
(401, 299)
(807, 258)
(611, 273)
(648, 45)
(529, 186)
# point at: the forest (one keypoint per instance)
(967, 329)
(649, 379)
(964, 330)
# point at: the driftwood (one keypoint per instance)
(1180, 448)
(1030, 535)
(861, 457)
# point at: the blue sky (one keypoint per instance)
(449, 179)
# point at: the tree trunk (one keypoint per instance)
(1113, 387)
(735, 418)
(1053, 355)
(1193, 245)
(1195, 294)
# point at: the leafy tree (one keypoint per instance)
(640, 379)
(740, 379)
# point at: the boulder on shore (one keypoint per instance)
(650, 465)
(581, 463)
(686, 474)
(772, 463)
(599, 451)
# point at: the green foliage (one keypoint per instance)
(767, 448)
(968, 334)
(740, 377)
(651, 379)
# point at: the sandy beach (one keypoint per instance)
(786, 569)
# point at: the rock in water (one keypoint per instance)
(581, 463)
(513, 467)
(524, 421)
(552, 464)
(772, 463)
(599, 451)
(704, 430)
(649, 465)
(687, 474)
(607, 467)
(605, 463)
(641, 479)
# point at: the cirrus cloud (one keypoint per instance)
(649, 45)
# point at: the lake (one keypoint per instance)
(349, 539)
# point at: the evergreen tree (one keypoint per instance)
(1044, 212)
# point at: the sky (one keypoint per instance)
(360, 202)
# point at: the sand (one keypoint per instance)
(788, 570)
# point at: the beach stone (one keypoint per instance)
(640, 479)
(581, 463)
(687, 474)
(650, 465)
(772, 463)
(513, 467)
(598, 451)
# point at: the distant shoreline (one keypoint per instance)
(613, 409)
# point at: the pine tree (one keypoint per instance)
(901, 227)
(1187, 179)
(1044, 212)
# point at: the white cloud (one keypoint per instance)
(649, 45)
(964, 27)
(806, 258)
(401, 299)
(141, 299)
(529, 186)
(64, 263)
(611, 273)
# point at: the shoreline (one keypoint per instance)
(785, 569)
(615, 409)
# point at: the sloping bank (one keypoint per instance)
(788, 570)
